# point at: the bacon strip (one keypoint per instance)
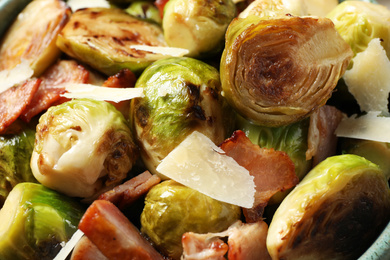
(64, 71)
(115, 236)
(203, 246)
(125, 194)
(273, 170)
(14, 101)
(86, 250)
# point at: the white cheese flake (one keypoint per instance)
(367, 127)
(169, 51)
(101, 93)
(64, 252)
(9, 78)
(80, 4)
(199, 164)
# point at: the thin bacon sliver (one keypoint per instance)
(64, 71)
(273, 171)
(14, 100)
(115, 236)
(125, 194)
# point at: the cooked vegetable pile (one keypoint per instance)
(190, 129)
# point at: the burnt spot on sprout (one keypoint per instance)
(194, 109)
(142, 115)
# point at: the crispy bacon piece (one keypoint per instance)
(273, 170)
(246, 241)
(322, 141)
(49, 91)
(160, 4)
(14, 100)
(125, 194)
(115, 236)
(86, 250)
(123, 79)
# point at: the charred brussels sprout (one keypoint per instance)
(181, 95)
(35, 44)
(275, 72)
(196, 25)
(102, 38)
(144, 10)
(171, 209)
(359, 22)
(81, 147)
(336, 212)
(15, 155)
(35, 221)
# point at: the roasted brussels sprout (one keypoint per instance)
(374, 151)
(9, 9)
(358, 22)
(15, 155)
(144, 10)
(198, 26)
(181, 95)
(81, 147)
(291, 139)
(35, 221)
(336, 212)
(35, 44)
(275, 8)
(275, 72)
(171, 209)
(102, 38)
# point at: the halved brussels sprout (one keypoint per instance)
(376, 152)
(32, 37)
(9, 9)
(15, 155)
(102, 38)
(275, 8)
(81, 147)
(172, 209)
(198, 26)
(358, 22)
(277, 71)
(144, 10)
(181, 95)
(35, 221)
(336, 212)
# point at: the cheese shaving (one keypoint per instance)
(101, 93)
(170, 51)
(199, 164)
(371, 126)
(80, 4)
(64, 252)
(10, 78)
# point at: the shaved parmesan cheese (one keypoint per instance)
(9, 78)
(170, 51)
(79, 4)
(64, 252)
(368, 127)
(199, 164)
(369, 79)
(101, 93)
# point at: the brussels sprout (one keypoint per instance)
(35, 44)
(198, 26)
(336, 212)
(144, 10)
(81, 147)
(9, 9)
(358, 22)
(291, 139)
(15, 154)
(275, 8)
(102, 38)
(374, 151)
(181, 95)
(275, 72)
(171, 209)
(35, 221)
